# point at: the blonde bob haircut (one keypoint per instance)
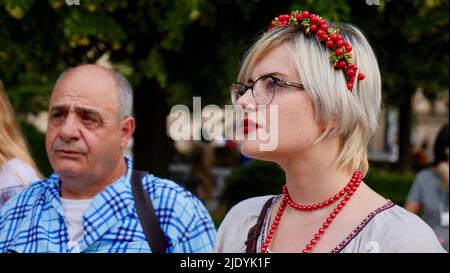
(353, 116)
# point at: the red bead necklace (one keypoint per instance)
(348, 191)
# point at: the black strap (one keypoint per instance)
(146, 214)
(253, 233)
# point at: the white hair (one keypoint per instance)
(125, 95)
(357, 113)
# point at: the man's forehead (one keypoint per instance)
(85, 89)
(72, 106)
(87, 78)
(84, 98)
(82, 92)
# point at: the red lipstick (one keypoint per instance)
(249, 125)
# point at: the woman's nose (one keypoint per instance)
(246, 101)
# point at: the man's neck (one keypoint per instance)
(81, 187)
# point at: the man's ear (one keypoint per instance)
(127, 127)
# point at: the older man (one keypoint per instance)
(89, 203)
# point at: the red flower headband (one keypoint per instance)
(341, 56)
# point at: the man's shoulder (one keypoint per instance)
(182, 216)
(167, 193)
(158, 186)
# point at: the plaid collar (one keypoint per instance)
(107, 208)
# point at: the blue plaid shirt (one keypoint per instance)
(33, 221)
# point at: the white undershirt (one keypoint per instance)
(73, 211)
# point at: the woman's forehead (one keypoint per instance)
(278, 60)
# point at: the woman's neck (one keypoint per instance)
(312, 176)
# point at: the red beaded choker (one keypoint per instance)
(348, 191)
(341, 56)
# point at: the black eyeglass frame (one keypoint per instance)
(276, 80)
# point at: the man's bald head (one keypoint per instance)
(122, 86)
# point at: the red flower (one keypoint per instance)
(342, 64)
(329, 36)
(329, 44)
(340, 43)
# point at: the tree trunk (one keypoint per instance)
(150, 149)
(404, 137)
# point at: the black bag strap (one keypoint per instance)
(253, 233)
(146, 214)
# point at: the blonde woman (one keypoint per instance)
(325, 84)
(17, 169)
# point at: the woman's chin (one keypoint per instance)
(252, 149)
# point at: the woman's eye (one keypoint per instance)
(270, 83)
(277, 82)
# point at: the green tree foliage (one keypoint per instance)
(411, 39)
(173, 50)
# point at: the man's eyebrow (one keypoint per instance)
(59, 108)
(87, 111)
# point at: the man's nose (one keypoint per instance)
(70, 128)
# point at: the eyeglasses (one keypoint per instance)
(263, 89)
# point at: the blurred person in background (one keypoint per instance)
(429, 192)
(202, 163)
(17, 168)
(420, 159)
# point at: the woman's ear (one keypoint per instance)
(334, 122)
(331, 125)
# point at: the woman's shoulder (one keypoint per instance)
(234, 228)
(251, 205)
(405, 222)
(16, 172)
(398, 230)
(246, 211)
